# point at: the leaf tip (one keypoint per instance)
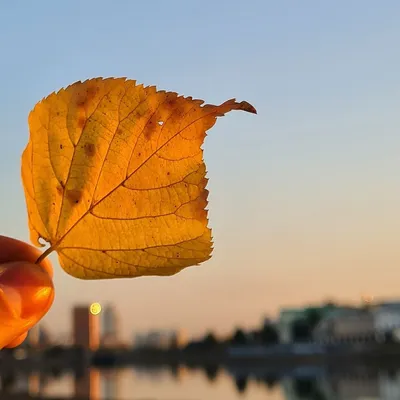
(232, 104)
(245, 106)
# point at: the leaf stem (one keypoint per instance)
(44, 255)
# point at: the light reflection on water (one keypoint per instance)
(131, 384)
(184, 384)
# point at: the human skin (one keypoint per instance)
(26, 290)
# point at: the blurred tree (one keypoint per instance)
(269, 335)
(239, 338)
(255, 336)
(210, 340)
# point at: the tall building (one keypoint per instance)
(86, 327)
(109, 326)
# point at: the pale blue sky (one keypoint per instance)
(307, 190)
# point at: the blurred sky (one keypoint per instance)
(305, 196)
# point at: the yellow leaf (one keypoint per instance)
(115, 180)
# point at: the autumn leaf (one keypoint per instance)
(115, 180)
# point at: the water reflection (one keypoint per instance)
(88, 384)
(210, 383)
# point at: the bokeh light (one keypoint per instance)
(95, 308)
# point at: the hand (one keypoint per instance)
(26, 290)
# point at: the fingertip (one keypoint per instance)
(28, 289)
(26, 294)
(17, 341)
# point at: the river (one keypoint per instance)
(198, 384)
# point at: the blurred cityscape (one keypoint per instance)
(97, 326)
(326, 351)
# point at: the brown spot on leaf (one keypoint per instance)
(80, 100)
(60, 190)
(171, 103)
(150, 129)
(61, 146)
(81, 122)
(74, 196)
(85, 96)
(91, 92)
(90, 149)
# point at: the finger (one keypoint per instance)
(16, 250)
(26, 294)
(16, 342)
(27, 286)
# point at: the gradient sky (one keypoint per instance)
(305, 196)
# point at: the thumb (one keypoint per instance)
(26, 294)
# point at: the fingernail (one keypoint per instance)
(28, 289)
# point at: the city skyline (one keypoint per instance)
(303, 197)
(100, 325)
